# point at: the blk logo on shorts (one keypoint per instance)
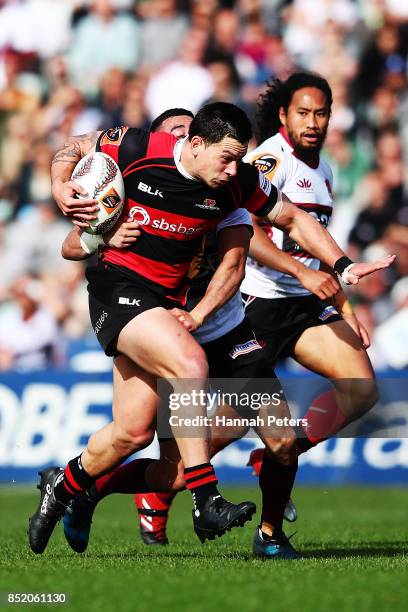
(129, 302)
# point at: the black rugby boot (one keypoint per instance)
(218, 516)
(49, 512)
(78, 519)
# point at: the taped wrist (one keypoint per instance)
(342, 267)
(90, 242)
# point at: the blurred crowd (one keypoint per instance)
(73, 66)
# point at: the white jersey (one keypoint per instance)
(307, 187)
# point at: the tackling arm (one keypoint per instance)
(233, 249)
(265, 252)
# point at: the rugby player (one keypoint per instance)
(204, 172)
(229, 343)
(217, 337)
(323, 336)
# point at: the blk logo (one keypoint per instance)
(150, 190)
(128, 302)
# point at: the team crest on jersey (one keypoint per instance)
(110, 200)
(305, 184)
(208, 204)
(114, 135)
(266, 164)
(328, 312)
(246, 347)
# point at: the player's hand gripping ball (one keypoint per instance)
(100, 176)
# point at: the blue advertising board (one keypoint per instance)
(47, 417)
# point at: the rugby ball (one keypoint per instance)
(100, 176)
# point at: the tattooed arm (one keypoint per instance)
(63, 189)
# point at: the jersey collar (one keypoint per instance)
(178, 147)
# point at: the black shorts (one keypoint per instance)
(280, 322)
(238, 363)
(114, 300)
(237, 354)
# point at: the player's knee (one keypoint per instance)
(192, 365)
(365, 396)
(284, 448)
(126, 441)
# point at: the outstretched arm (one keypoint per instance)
(317, 241)
(64, 190)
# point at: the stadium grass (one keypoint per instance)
(354, 541)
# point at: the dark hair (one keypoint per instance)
(215, 121)
(279, 94)
(171, 112)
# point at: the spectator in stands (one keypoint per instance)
(46, 66)
(377, 214)
(160, 33)
(183, 83)
(29, 335)
(102, 40)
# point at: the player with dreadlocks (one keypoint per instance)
(282, 293)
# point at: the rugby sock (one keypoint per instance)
(127, 478)
(153, 509)
(75, 480)
(324, 419)
(202, 482)
(276, 482)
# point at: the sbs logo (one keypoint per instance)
(139, 214)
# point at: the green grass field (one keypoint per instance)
(354, 542)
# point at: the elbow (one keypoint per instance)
(64, 253)
(71, 255)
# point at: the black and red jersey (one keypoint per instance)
(175, 211)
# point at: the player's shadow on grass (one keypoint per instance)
(374, 549)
